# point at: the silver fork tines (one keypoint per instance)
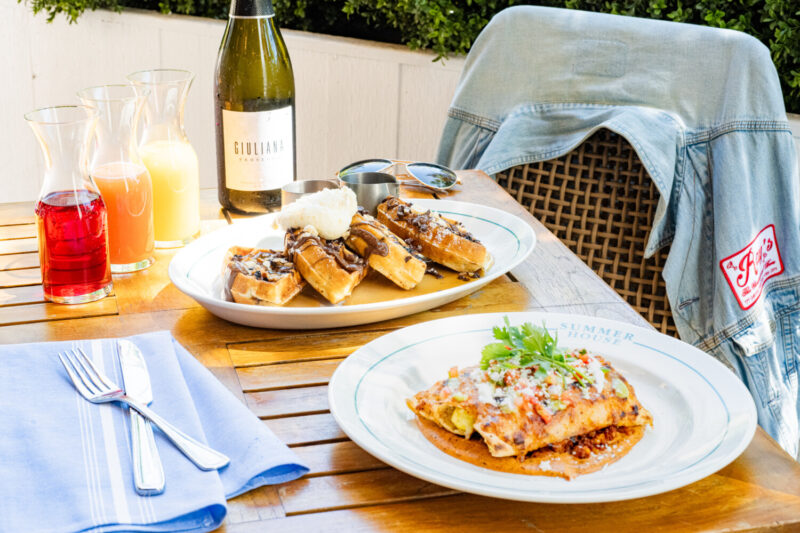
(89, 381)
(97, 388)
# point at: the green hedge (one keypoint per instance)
(449, 26)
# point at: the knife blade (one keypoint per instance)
(148, 472)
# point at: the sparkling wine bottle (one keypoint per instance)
(254, 110)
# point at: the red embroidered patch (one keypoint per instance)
(748, 269)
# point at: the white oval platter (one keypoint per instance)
(196, 269)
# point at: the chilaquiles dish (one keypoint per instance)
(531, 407)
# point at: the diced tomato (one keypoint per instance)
(532, 401)
(542, 411)
(511, 376)
(508, 348)
(539, 408)
(453, 372)
(566, 399)
(584, 357)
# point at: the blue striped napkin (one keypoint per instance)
(65, 464)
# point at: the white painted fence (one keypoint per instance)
(355, 99)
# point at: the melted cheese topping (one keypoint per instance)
(549, 392)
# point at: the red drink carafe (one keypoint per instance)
(71, 219)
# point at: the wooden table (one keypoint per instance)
(282, 376)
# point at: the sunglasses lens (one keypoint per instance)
(434, 175)
(368, 165)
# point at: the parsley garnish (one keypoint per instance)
(529, 345)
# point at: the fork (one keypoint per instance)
(97, 388)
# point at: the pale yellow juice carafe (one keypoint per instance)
(174, 171)
(169, 157)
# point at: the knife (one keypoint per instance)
(148, 472)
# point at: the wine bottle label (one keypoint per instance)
(259, 151)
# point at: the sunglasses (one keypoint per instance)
(428, 174)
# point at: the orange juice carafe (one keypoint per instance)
(168, 156)
(121, 176)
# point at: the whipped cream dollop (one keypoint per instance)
(329, 211)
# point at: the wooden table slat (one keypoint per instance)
(26, 294)
(19, 246)
(305, 430)
(19, 231)
(287, 375)
(337, 458)
(45, 312)
(150, 290)
(20, 278)
(17, 261)
(301, 347)
(12, 214)
(291, 402)
(256, 505)
(352, 490)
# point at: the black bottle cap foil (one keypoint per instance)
(252, 8)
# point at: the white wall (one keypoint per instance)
(355, 99)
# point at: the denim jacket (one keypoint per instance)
(703, 109)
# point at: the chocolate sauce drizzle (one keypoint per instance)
(432, 270)
(298, 240)
(423, 221)
(270, 265)
(379, 246)
(373, 244)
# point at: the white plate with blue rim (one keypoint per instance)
(703, 416)
(196, 271)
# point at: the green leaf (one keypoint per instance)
(529, 345)
(493, 352)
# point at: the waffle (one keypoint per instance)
(328, 266)
(385, 252)
(442, 240)
(259, 276)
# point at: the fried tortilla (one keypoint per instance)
(534, 414)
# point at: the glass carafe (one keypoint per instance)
(71, 217)
(121, 176)
(169, 157)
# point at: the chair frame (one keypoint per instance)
(600, 201)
